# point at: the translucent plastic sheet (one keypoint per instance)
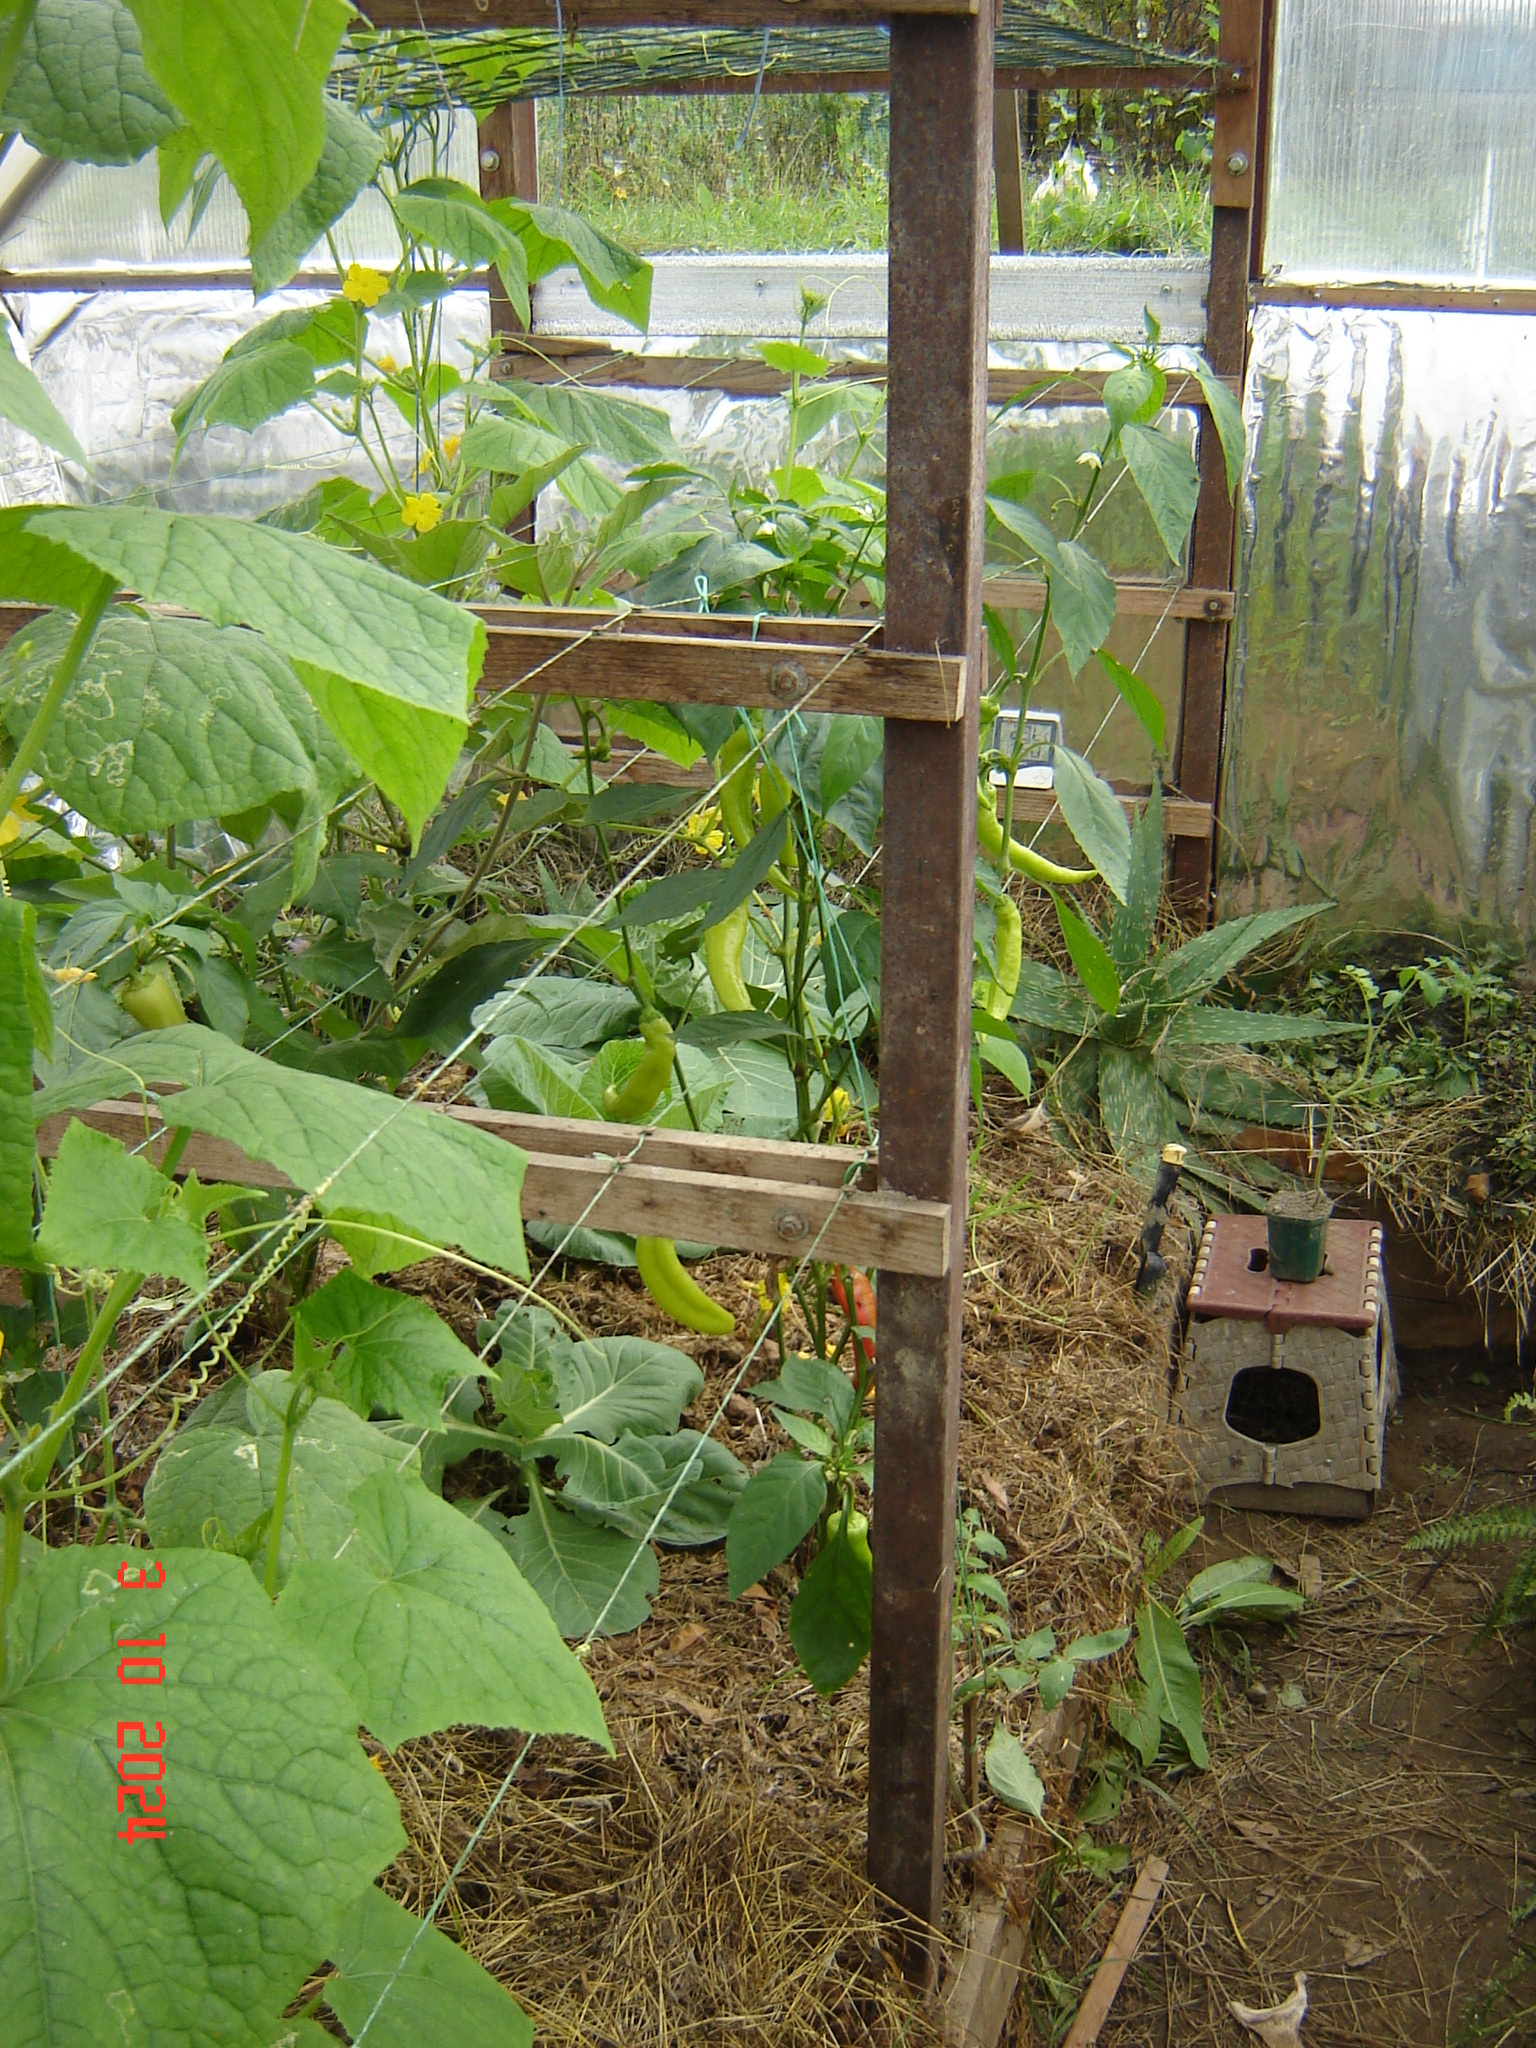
(87, 218)
(116, 364)
(1403, 143)
(1381, 731)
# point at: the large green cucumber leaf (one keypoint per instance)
(337, 612)
(610, 1384)
(349, 156)
(247, 76)
(408, 750)
(427, 1622)
(393, 1352)
(110, 1210)
(383, 1952)
(625, 1483)
(213, 1484)
(24, 402)
(248, 389)
(17, 922)
(615, 277)
(80, 90)
(274, 1819)
(593, 1581)
(38, 571)
(167, 720)
(400, 1178)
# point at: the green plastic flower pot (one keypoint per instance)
(1298, 1235)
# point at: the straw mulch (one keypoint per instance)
(706, 1883)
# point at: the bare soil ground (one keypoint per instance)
(1374, 1832)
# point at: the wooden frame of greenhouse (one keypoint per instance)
(954, 71)
(921, 671)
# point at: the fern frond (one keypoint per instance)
(1516, 1602)
(1499, 1524)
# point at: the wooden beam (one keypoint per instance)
(1183, 817)
(694, 1189)
(979, 1996)
(614, 14)
(1008, 173)
(1116, 1960)
(1134, 598)
(823, 664)
(508, 145)
(940, 237)
(1405, 298)
(1213, 544)
(559, 359)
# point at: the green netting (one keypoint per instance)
(482, 70)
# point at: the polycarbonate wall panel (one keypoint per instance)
(1380, 744)
(88, 218)
(1404, 141)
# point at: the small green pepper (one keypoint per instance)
(989, 837)
(675, 1291)
(723, 946)
(633, 1103)
(738, 764)
(153, 1000)
(1009, 952)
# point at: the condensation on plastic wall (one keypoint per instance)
(1380, 745)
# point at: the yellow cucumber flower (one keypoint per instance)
(364, 287)
(421, 511)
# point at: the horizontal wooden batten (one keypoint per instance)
(550, 359)
(1404, 298)
(696, 1186)
(1183, 817)
(824, 664)
(1134, 599)
(576, 15)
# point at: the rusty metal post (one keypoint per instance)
(940, 235)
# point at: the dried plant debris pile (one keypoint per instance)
(709, 1876)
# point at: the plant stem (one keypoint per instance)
(10, 1567)
(121, 1292)
(298, 1408)
(31, 743)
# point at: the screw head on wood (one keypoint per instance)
(1237, 163)
(791, 1224)
(490, 159)
(1213, 607)
(787, 680)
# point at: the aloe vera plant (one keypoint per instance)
(1134, 1038)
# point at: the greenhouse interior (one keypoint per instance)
(767, 1023)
